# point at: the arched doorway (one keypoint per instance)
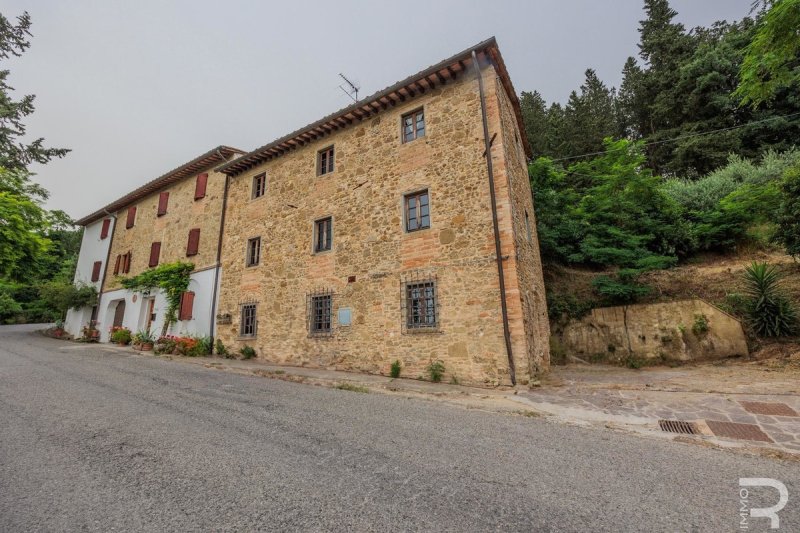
(119, 314)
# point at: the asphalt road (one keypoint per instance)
(97, 440)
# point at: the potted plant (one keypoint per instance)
(136, 341)
(121, 335)
(146, 340)
(58, 331)
(90, 333)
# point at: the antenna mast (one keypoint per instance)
(352, 92)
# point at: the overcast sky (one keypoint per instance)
(138, 88)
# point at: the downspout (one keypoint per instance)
(213, 321)
(497, 248)
(108, 256)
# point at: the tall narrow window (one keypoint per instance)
(155, 252)
(193, 245)
(325, 161)
(321, 314)
(163, 200)
(126, 263)
(104, 228)
(417, 210)
(413, 125)
(200, 186)
(253, 251)
(421, 305)
(323, 234)
(248, 322)
(131, 220)
(259, 185)
(96, 270)
(118, 264)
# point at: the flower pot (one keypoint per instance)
(147, 346)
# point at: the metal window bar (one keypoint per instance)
(420, 306)
(319, 306)
(249, 322)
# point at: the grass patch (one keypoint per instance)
(350, 387)
(528, 413)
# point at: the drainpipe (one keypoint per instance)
(497, 248)
(108, 257)
(213, 323)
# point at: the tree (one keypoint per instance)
(772, 60)
(628, 103)
(788, 217)
(23, 222)
(14, 153)
(534, 116)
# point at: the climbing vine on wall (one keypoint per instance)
(171, 278)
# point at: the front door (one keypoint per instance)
(119, 314)
(151, 315)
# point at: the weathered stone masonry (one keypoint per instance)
(373, 255)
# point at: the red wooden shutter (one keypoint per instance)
(187, 303)
(155, 251)
(96, 271)
(104, 229)
(194, 242)
(131, 217)
(117, 265)
(163, 199)
(200, 186)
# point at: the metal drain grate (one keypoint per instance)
(733, 430)
(768, 408)
(677, 426)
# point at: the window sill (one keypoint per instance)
(323, 252)
(421, 331)
(415, 231)
(246, 338)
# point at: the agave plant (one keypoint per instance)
(772, 314)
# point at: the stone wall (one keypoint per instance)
(373, 255)
(687, 330)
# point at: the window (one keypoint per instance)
(163, 200)
(417, 210)
(323, 234)
(193, 245)
(126, 263)
(321, 314)
(186, 305)
(131, 217)
(104, 228)
(96, 270)
(200, 186)
(155, 251)
(247, 326)
(413, 125)
(325, 161)
(421, 305)
(259, 185)
(253, 251)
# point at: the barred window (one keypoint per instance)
(253, 251)
(259, 185)
(323, 234)
(321, 314)
(421, 305)
(247, 327)
(417, 208)
(413, 125)
(325, 161)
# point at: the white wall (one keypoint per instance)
(201, 283)
(93, 248)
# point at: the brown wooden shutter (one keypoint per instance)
(96, 271)
(117, 264)
(163, 200)
(200, 186)
(155, 251)
(131, 217)
(187, 303)
(194, 242)
(126, 263)
(104, 229)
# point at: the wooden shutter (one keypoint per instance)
(187, 303)
(117, 264)
(163, 200)
(194, 242)
(131, 217)
(126, 263)
(104, 229)
(155, 251)
(200, 186)
(96, 271)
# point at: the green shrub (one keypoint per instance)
(562, 305)
(700, 326)
(787, 232)
(220, 348)
(771, 312)
(435, 371)
(395, 369)
(202, 347)
(121, 335)
(247, 352)
(165, 345)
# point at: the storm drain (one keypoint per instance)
(768, 408)
(733, 430)
(677, 426)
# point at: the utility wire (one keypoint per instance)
(689, 136)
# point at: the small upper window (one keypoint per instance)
(259, 185)
(417, 210)
(413, 125)
(323, 234)
(325, 161)
(253, 251)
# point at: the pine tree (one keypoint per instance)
(534, 115)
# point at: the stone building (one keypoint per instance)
(372, 235)
(176, 217)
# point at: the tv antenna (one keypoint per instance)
(352, 92)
